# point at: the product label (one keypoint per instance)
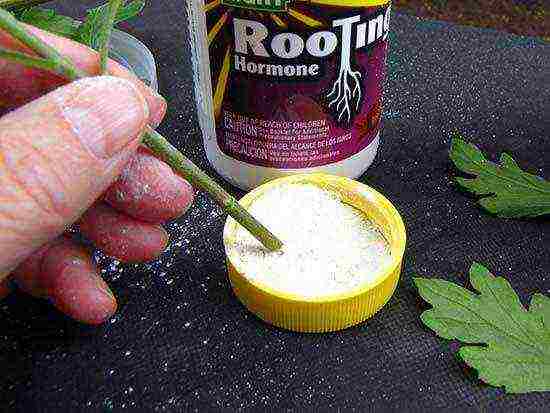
(297, 83)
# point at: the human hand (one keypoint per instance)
(73, 155)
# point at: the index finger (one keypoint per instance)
(19, 85)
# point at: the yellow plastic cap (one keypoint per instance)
(334, 312)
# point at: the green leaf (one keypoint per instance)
(540, 306)
(499, 367)
(511, 346)
(50, 21)
(89, 31)
(507, 190)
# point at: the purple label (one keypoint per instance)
(299, 88)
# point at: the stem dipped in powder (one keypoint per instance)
(329, 247)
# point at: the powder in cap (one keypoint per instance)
(329, 247)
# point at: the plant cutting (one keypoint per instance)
(88, 31)
(49, 59)
(123, 48)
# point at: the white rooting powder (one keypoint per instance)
(329, 247)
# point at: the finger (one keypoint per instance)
(19, 85)
(121, 236)
(74, 285)
(58, 154)
(148, 189)
(46, 273)
(29, 276)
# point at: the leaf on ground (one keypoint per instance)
(510, 345)
(540, 305)
(506, 189)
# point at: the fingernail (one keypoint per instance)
(102, 285)
(107, 114)
(165, 237)
(78, 294)
(186, 195)
(162, 240)
(157, 109)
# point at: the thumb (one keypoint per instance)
(58, 154)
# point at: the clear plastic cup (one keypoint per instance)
(135, 56)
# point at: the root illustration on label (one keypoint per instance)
(342, 92)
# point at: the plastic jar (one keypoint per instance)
(288, 86)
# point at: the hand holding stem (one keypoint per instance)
(51, 59)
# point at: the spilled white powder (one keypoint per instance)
(329, 247)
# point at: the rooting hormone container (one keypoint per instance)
(289, 86)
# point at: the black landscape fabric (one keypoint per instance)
(181, 340)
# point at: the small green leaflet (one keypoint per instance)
(86, 32)
(511, 345)
(507, 190)
(89, 31)
(50, 21)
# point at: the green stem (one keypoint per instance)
(153, 140)
(34, 62)
(11, 25)
(196, 177)
(105, 34)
